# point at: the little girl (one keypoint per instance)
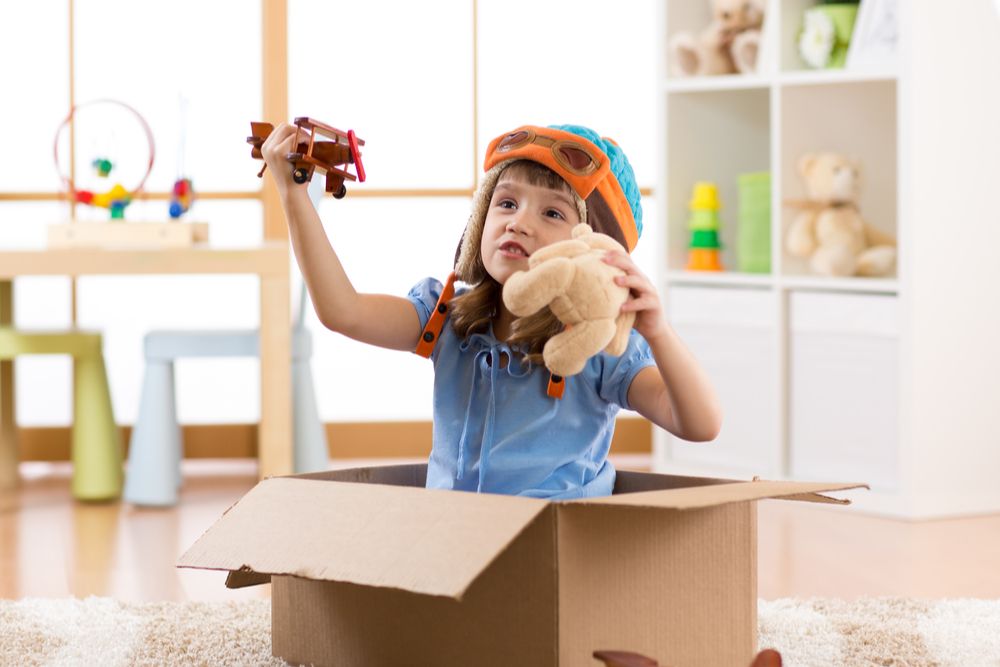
(497, 426)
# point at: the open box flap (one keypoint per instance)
(713, 494)
(414, 539)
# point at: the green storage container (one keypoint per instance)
(753, 246)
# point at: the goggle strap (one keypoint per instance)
(435, 323)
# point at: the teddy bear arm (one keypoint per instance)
(623, 327)
(566, 353)
(800, 240)
(527, 292)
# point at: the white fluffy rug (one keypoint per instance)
(896, 632)
(820, 632)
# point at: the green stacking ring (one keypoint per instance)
(705, 239)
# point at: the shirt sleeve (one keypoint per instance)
(424, 296)
(618, 372)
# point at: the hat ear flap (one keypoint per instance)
(468, 263)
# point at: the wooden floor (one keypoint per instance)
(51, 546)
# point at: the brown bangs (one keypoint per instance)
(536, 174)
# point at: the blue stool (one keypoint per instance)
(156, 446)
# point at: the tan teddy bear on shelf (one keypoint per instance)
(729, 44)
(573, 280)
(830, 231)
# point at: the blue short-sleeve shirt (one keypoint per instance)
(497, 431)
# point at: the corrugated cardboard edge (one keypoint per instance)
(697, 497)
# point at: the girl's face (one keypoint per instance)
(521, 219)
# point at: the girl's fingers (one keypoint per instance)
(282, 137)
(634, 281)
(640, 303)
(619, 259)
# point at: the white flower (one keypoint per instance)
(817, 38)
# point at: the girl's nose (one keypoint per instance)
(515, 225)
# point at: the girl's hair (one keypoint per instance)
(473, 311)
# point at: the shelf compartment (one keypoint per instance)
(790, 61)
(715, 136)
(694, 18)
(858, 120)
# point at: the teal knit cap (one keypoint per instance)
(620, 167)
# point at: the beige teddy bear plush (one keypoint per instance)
(830, 231)
(729, 44)
(573, 280)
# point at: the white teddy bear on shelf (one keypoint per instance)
(729, 43)
(830, 231)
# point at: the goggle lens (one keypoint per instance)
(576, 158)
(514, 140)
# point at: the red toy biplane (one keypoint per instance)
(312, 153)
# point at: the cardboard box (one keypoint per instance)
(368, 568)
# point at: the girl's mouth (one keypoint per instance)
(513, 250)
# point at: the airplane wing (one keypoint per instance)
(259, 132)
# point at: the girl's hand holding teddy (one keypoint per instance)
(650, 320)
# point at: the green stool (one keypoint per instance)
(97, 451)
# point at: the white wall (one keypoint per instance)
(953, 321)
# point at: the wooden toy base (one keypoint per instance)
(127, 234)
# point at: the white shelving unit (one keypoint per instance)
(849, 379)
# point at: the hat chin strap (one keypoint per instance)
(435, 323)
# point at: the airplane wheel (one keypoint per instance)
(341, 191)
(300, 176)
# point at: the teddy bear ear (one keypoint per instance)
(806, 163)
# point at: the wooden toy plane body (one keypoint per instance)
(331, 157)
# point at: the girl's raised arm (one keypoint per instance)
(377, 319)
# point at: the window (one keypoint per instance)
(425, 84)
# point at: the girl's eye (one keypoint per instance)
(553, 213)
(507, 203)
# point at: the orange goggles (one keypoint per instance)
(579, 162)
(570, 154)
